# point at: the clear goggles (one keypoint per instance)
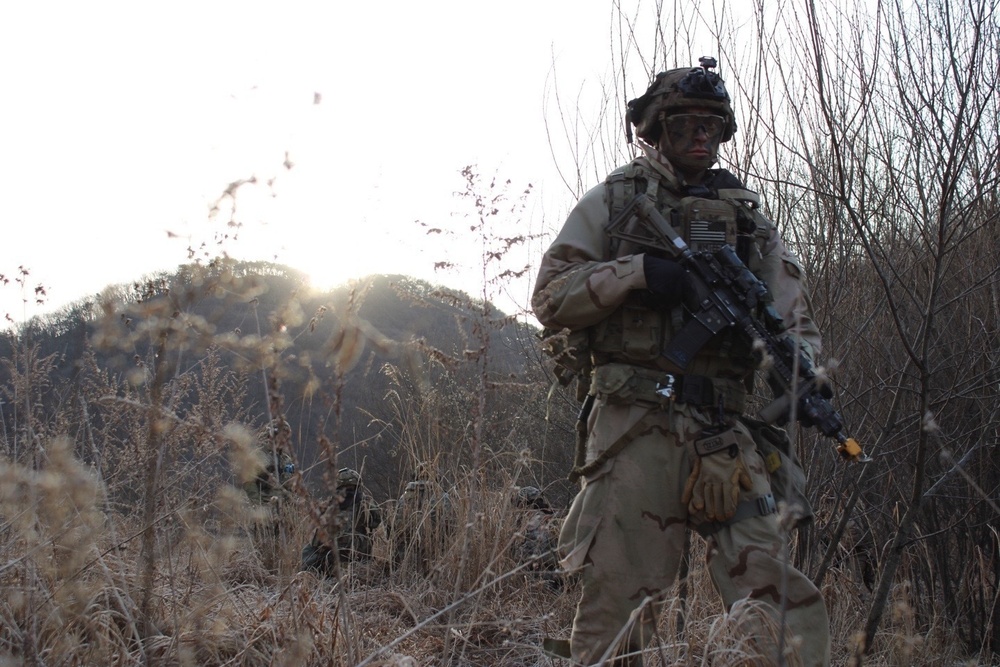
(687, 125)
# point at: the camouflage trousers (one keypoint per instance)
(625, 533)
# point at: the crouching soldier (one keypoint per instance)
(420, 526)
(539, 526)
(350, 523)
(269, 490)
(272, 482)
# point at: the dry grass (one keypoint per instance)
(131, 544)
(227, 591)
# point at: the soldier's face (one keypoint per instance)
(690, 138)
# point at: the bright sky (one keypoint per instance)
(123, 121)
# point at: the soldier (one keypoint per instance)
(356, 519)
(270, 486)
(269, 491)
(420, 525)
(539, 526)
(647, 472)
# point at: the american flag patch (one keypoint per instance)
(706, 234)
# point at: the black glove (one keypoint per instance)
(666, 279)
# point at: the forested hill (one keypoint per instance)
(362, 371)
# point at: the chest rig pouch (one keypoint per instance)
(638, 331)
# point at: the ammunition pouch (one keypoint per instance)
(628, 384)
(788, 479)
(637, 333)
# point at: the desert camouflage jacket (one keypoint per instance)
(585, 281)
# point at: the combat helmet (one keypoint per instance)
(677, 89)
(415, 488)
(348, 477)
(531, 497)
(278, 428)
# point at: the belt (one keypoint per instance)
(626, 383)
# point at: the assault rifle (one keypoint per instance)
(726, 294)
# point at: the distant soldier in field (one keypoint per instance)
(420, 524)
(271, 485)
(539, 525)
(351, 517)
(270, 490)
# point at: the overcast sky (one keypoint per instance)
(123, 122)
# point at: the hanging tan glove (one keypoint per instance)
(717, 475)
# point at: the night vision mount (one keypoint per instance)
(703, 83)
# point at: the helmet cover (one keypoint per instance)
(677, 90)
(347, 477)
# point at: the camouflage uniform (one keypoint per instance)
(356, 518)
(625, 529)
(421, 524)
(270, 485)
(539, 525)
(269, 491)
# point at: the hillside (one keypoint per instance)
(343, 367)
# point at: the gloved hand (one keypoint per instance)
(714, 485)
(665, 278)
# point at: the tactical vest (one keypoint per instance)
(637, 332)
